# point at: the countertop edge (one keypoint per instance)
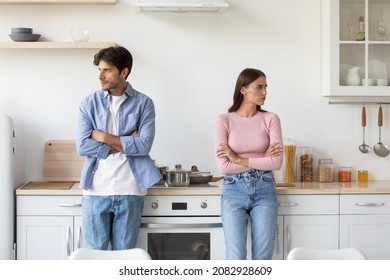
(299, 188)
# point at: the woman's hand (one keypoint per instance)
(274, 150)
(225, 151)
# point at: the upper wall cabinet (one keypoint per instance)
(75, 2)
(355, 47)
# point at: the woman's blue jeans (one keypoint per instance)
(111, 220)
(250, 196)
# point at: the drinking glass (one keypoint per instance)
(381, 30)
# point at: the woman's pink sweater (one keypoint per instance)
(248, 138)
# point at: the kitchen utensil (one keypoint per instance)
(199, 177)
(178, 177)
(380, 149)
(364, 148)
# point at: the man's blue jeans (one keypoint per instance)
(111, 219)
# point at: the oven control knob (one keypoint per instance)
(154, 205)
(203, 205)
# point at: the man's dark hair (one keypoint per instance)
(118, 56)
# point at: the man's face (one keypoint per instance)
(110, 78)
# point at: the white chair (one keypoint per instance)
(300, 253)
(92, 254)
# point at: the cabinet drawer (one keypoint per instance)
(48, 205)
(308, 204)
(365, 204)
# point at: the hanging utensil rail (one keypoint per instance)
(357, 103)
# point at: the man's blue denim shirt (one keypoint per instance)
(136, 113)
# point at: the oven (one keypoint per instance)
(182, 228)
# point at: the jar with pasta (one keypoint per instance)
(289, 154)
(325, 170)
(305, 161)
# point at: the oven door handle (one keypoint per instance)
(207, 225)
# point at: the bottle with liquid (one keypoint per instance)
(361, 36)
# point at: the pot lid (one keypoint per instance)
(179, 169)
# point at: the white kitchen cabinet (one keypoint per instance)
(365, 224)
(48, 227)
(278, 250)
(307, 221)
(341, 51)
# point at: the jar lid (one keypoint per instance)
(325, 160)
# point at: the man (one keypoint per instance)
(116, 129)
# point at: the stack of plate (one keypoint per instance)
(23, 34)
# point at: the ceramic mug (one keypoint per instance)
(382, 82)
(368, 82)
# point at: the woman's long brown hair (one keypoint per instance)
(246, 77)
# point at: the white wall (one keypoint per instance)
(188, 64)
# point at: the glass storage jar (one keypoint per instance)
(344, 174)
(305, 161)
(362, 176)
(325, 170)
(289, 153)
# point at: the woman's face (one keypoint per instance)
(256, 91)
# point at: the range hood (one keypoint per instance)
(181, 6)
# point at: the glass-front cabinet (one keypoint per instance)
(356, 47)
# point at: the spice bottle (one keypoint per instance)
(305, 161)
(325, 170)
(289, 153)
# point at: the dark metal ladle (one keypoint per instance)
(364, 148)
(380, 149)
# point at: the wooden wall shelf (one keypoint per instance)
(56, 45)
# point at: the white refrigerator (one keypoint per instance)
(7, 188)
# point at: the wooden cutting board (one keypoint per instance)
(61, 161)
(48, 186)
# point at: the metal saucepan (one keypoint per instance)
(178, 177)
(380, 149)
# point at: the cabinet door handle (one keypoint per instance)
(288, 204)
(370, 204)
(79, 237)
(69, 205)
(68, 241)
(277, 239)
(288, 239)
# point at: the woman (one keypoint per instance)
(248, 147)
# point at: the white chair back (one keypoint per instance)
(92, 254)
(300, 253)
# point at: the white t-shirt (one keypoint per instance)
(114, 175)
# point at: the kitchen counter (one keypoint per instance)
(72, 188)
